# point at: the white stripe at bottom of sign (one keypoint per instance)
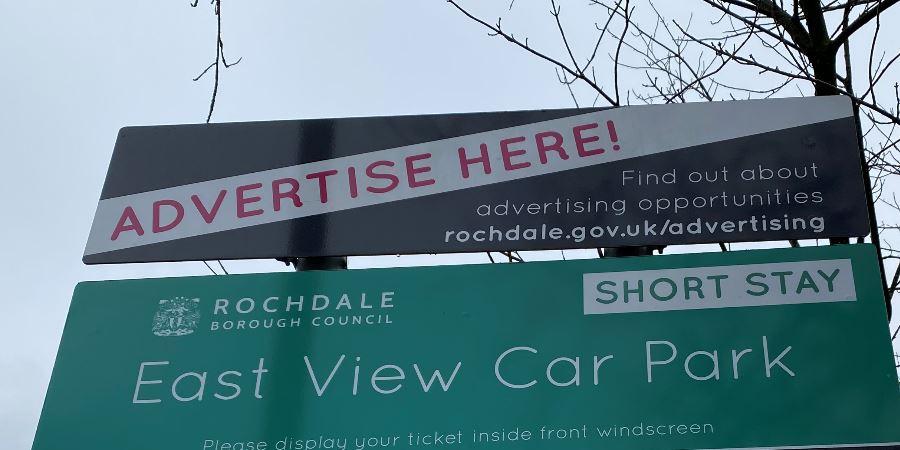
(801, 447)
(783, 283)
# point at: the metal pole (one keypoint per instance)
(316, 263)
(870, 206)
(320, 263)
(618, 252)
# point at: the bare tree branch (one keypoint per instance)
(497, 31)
(864, 18)
(219, 59)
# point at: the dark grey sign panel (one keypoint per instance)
(528, 180)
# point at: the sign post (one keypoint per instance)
(529, 180)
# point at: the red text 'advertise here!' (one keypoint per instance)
(378, 178)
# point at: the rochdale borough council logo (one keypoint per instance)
(176, 317)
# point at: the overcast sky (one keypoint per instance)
(73, 73)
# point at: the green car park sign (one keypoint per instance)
(782, 348)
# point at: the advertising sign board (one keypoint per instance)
(528, 180)
(784, 348)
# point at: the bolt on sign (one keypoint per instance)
(528, 180)
(783, 348)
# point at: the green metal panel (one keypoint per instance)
(274, 377)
